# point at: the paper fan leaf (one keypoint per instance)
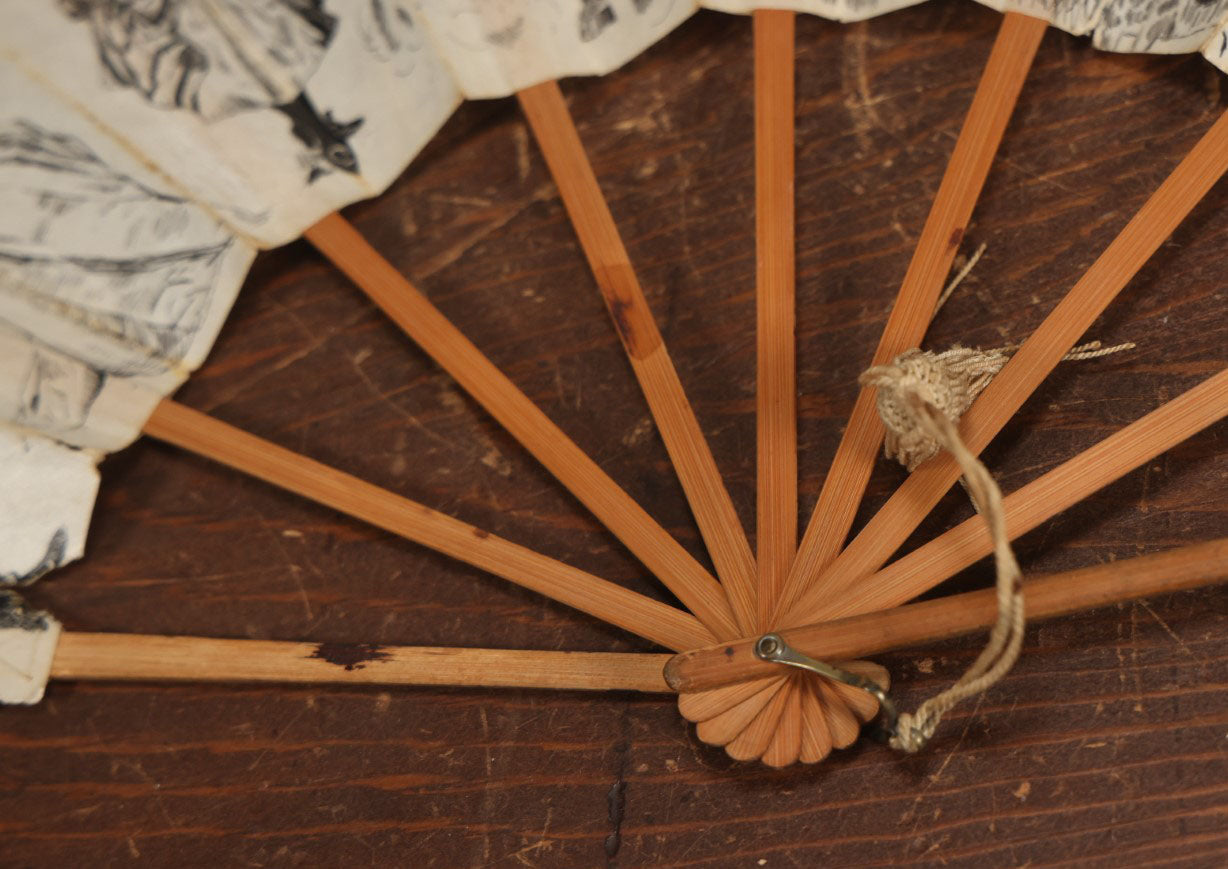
(495, 48)
(1151, 26)
(28, 638)
(46, 497)
(835, 10)
(270, 113)
(112, 288)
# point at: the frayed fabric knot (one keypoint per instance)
(948, 381)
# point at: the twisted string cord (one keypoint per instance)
(911, 391)
(921, 397)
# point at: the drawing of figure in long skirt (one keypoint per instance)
(100, 276)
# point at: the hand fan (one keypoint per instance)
(156, 351)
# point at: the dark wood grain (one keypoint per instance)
(1107, 746)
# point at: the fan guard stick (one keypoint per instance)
(144, 657)
(1059, 594)
(129, 657)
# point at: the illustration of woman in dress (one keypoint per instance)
(219, 57)
(100, 277)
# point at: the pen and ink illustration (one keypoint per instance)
(504, 23)
(655, 11)
(1160, 26)
(1150, 26)
(391, 34)
(28, 639)
(595, 16)
(16, 614)
(47, 495)
(100, 277)
(219, 57)
(57, 548)
(474, 28)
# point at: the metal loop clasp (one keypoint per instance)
(772, 647)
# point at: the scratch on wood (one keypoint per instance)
(1168, 630)
(616, 801)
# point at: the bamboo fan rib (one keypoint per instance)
(754, 739)
(776, 398)
(785, 746)
(722, 532)
(775, 359)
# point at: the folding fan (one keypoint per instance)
(151, 147)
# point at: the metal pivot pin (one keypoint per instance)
(772, 647)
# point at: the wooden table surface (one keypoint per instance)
(1107, 745)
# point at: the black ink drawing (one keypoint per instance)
(505, 37)
(595, 16)
(390, 33)
(57, 546)
(390, 18)
(498, 23)
(1158, 25)
(474, 26)
(100, 277)
(219, 57)
(655, 11)
(15, 613)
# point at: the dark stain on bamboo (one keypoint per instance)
(631, 316)
(350, 656)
